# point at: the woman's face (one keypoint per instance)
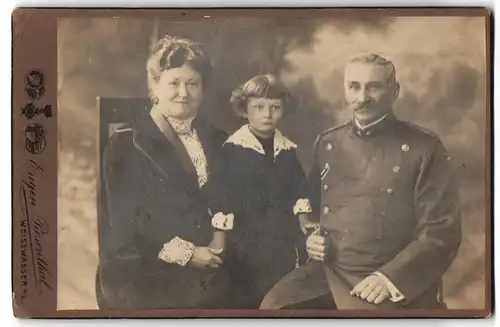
(179, 92)
(263, 114)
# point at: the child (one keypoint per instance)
(261, 193)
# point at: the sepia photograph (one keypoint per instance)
(273, 162)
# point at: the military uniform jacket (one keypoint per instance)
(387, 201)
(153, 196)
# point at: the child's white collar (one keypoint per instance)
(244, 138)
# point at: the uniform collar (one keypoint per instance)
(365, 127)
(380, 125)
(244, 138)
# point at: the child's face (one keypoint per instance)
(263, 114)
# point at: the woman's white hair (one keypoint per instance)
(172, 52)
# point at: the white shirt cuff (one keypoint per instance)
(223, 222)
(396, 295)
(177, 251)
(302, 206)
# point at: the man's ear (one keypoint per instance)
(395, 91)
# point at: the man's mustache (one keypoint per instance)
(361, 105)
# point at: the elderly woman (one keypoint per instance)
(157, 173)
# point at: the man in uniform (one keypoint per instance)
(388, 207)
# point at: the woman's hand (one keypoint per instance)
(203, 258)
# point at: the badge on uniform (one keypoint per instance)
(325, 171)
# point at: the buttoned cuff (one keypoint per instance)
(177, 251)
(302, 206)
(223, 222)
(396, 295)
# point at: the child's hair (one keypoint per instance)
(262, 86)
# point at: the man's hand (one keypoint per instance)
(372, 289)
(316, 247)
(203, 257)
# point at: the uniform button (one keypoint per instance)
(326, 210)
(327, 165)
(382, 214)
(328, 146)
(198, 226)
(396, 168)
(325, 187)
(368, 133)
(389, 191)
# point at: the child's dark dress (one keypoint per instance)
(260, 184)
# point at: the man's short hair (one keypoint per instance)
(375, 59)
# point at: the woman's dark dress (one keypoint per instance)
(261, 191)
(153, 196)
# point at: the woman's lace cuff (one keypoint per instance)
(302, 206)
(177, 251)
(223, 222)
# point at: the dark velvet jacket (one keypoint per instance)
(260, 189)
(153, 196)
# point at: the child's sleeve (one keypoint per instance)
(302, 207)
(300, 187)
(220, 199)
